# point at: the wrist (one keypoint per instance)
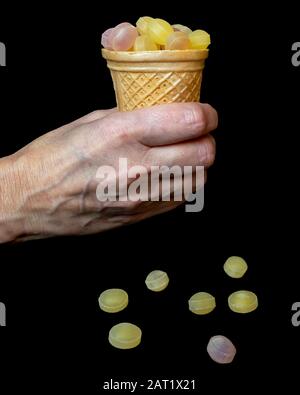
(11, 192)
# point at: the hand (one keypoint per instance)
(49, 186)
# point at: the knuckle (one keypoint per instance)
(124, 136)
(207, 151)
(212, 116)
(195, 116)
(92, 116)
(216, 118)
(95, 114)
(113, 127)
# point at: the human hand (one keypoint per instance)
(50, 185)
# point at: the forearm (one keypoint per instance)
(29, 192)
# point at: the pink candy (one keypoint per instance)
(106, 39)
(119, 38)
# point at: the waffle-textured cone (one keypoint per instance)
(142, 79)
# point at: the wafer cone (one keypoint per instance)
(143, 79)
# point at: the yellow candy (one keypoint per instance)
(243, 301)
(143, 23)
(113, 300)
(178, 40)
(199, 39)
(159, 30)
(125, 336)
(235, 267)
(157, 280)
(144, 43)
(182, 28)
(202, 303)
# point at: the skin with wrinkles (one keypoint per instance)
(48, 188)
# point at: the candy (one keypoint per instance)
(182, 28)
(106, 39)
(123, 37)
(125, 336)
(221, 349)
(159, 30)
(178, 40)
(161, 35)
(157, 280)
(113, 300)
(235, 267)
(243, 302)
(142, 24)
(202, 303)
(144, 43)
(199, 39)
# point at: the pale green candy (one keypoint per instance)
(113, 300)
(159, 30)
(157, 280)
(142, 24)
(235, 267)
(243, 302)
(202, 303)
(125, 336)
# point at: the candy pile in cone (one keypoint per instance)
(153, 34)
(154, 63)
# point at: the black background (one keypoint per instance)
(56, 336)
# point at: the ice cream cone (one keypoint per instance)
(142, 79)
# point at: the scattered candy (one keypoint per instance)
(221, 349)
(199, 39)
(202, 303)
(142, 24)
(182, 28)
(125, 336)
(235, 267)
(157, 281)
(159, 30)
(178, 40)
(113, 300)
(144, 43)
(243, 302)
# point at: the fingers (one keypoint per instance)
(200, 152)
(167, 123)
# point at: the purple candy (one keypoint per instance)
(221, 349)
